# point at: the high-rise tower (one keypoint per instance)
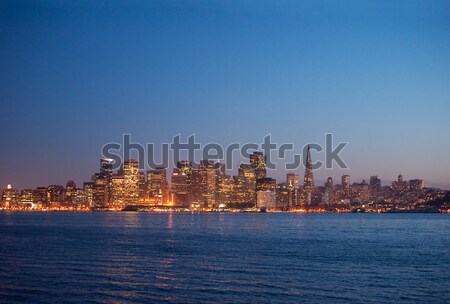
(308, 181)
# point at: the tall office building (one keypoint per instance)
(10, 196)
(328, 197)
(293, 189)
(156, 181)
(293, 180)
(204, 182)
(26, 197)
(179, 183)
(266, 190)
(224, 189)
(345, 181)
(266, 199)
(55, 194)
(142, 185)
(374, 186)
(258, 163)
(40, 196)
(185, 167)
(100, 193)
(400, 185)
(130, 173)
(71, 189)
(308, 180)
(416, 184)
(263, 184)
(360, 191)
(246, 184)
(283, 196)
(88, 190)
(244, 192)
(106, 170)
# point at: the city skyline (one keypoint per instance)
(257, 151)
(278, 173)
(206, 186)
(76, 76)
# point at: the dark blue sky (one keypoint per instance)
(76, 75)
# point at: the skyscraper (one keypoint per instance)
(345, 180)
(10, 196)
(55, 193)
(130, 171)
(329, 192)
(308, 181)
(71, 188)
(375, 186)
(293, 180)
(224, 189)
(266, 189)
(106, 171)
(182, 182)
(106, 167)
(100, 190)
(258, 164)
(156, 181)
(204, 182)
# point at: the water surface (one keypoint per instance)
(106, 257)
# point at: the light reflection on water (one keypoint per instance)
(227, 258)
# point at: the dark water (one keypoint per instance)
(224, 258)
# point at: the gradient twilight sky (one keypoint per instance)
(75, 75)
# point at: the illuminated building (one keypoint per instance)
(267, 183)
(416, 184)
(400, 185)
(118, 191)
(180, 183)
(241, 196)
(100, 193)
(308, 180)
(142, 184)
(266, 199)
(249, 174)
(125, 185)
(345, 180)
(283, 197)
(80, 197)
(204, 182)
(266, 192)
(130, 172)
(71, 188)
(55, 194)
(156, 181)
(293, 186)
(26, 196)
(185, 167)
(258, 163)
(106, 170)
(246, 185)
(40, 196)
(225, 189)
(361, 191)
(9, 197)
(106, 167)
(328, 197)
(88, 190)
(374, 186)
(293, 180)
